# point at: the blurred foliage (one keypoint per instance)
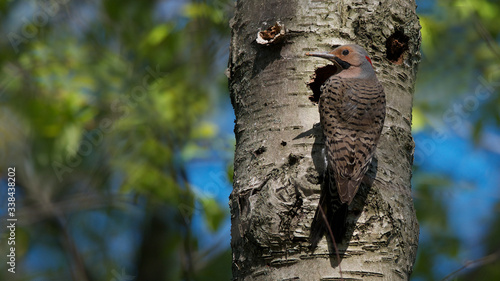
(103, 105)
(459, 75)
(488, 268)
(437, 238)
(457, 94)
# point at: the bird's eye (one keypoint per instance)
(345, 52)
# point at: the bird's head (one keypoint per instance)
(352, 60)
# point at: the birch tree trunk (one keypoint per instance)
(278, 162)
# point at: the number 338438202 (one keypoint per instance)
(11, 183)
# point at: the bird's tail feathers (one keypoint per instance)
(330, 217)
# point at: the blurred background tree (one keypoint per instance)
(105, 107)
(117, 119)
(456, 121)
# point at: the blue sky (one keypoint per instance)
(472, 196)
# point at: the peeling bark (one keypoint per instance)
(278, 162)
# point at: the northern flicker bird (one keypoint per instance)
(352, 113)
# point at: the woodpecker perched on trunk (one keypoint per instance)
(352, 113)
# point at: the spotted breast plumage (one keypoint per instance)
(352, 112)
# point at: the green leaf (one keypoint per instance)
(418, 120)
(214, 214)
(230, 172)
(205, 130)
(477, 132)
(158, 34)
(203, 10)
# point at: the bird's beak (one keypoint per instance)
(327, 56)
(331, 57)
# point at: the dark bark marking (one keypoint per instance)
(319, 78)
(396, 45)
(260, 150)
(272, 35)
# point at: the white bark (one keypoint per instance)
(278, 161)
